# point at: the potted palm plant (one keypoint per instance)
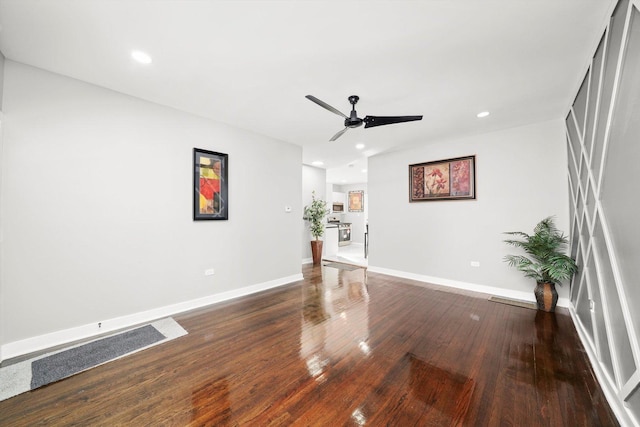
(546, 262)
(315, 213)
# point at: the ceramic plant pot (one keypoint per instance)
(546, 296)
(316, 251)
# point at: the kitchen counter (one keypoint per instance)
(330, 246)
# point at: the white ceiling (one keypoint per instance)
(251, 63)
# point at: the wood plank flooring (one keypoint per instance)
(340, 348)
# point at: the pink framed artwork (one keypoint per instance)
(450, 179)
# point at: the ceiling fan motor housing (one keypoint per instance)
(353, 121)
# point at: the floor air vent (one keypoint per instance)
(516, 302)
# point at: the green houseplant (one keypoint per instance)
(546, 261)
(315, 213)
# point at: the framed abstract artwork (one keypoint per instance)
(356, 201)
(210, 185)
(449, 179)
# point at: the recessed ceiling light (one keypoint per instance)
(317, 163)
(359, 146)
(364, 171)
(483, 114)
(343, 181)
(141, 57)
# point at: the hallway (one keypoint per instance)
(352, 254)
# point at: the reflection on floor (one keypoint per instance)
(340, 348)
(350, 254)
(341, 266)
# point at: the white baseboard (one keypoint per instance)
(307, 261)
(41, 342)
(606, 382)
(491, 290)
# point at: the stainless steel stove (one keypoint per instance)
(344, 233)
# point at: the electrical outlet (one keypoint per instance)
(209, 272)
(475, 263)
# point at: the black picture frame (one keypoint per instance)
(449, 179)
(210, 185)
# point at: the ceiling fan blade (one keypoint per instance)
(339, 134)
(372, 121)
(326, 106)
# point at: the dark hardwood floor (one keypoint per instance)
(340, 348)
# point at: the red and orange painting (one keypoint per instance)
(209, 186)
(210, 182)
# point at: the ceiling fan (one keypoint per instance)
(352, 121)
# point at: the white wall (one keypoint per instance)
(520, 179)
(313, 179)
(1, 168)
(97, 206)
(1, 78)
(1, 173)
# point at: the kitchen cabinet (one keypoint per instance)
(338, 197)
